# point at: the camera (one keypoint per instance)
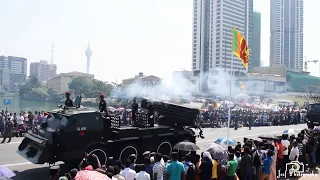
(295, 168)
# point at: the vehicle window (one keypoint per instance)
(314, 107)
(89, 122)
(55, 121)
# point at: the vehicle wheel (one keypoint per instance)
(165, 147)
(99, 151)
(128, 150)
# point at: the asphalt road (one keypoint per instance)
(27, 171)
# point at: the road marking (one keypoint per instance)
(11, 143)
(17, 164)
(234, 137)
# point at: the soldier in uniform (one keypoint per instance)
(103, 104)
(134, 111)
(7, 131)
(68, 102)
(250, 119)
(150, 115)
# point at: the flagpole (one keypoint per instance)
(247, 28)
(229, 108)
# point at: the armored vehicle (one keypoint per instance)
(313, 115)
(72, 132)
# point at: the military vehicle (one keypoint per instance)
(313, 115)
(73, 131)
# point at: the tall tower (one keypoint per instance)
(88, 54)
(286, 33)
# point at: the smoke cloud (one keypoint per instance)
(218, 84)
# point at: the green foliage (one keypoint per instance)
(90, 89)
(80, 86)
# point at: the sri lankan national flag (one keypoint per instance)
(240, 47)
(243, 87)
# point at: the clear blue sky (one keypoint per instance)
(126, 36)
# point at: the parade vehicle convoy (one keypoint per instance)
(72, 132)
(313, 115)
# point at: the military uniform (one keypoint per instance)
(68, 102)
(134, 111)
(103, 105)
(7, 131)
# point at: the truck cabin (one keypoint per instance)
(314, 108)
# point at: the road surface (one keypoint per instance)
(27, 171)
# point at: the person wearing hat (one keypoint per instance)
(103, 104)
(68, 102)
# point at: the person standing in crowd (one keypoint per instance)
(294, 153)
(7, 131)
(128, 173)
(68, 102)
(232, 165)
(266, 167)
(285, 142)
(20, 121)
(158, 167)
(273, 174)
(257, 161)
(175, 170)
(206, 166)
(246, 164)
(143, 175)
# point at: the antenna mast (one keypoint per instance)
(52, 46)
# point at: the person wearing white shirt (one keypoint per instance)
(20, 121)
(128, 173)
(142, 175)
(286, 144)
(294, 153)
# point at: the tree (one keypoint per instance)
(34, 81)
(80, 86)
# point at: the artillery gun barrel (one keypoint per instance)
(176, 114)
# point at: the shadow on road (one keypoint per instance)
(32, 174)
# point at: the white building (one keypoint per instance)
(213, 21)
(61, 81)
(43, 70)
(286, 33)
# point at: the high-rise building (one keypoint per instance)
(43, 70)
(256, 43)
(17, 67)
(88, 54)
(213, 21)
(286, 33)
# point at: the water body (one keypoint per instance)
(17, 105)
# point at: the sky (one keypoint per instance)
(126, 37)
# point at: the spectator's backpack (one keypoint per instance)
(256, 159)
(191, 172)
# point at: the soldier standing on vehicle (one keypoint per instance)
(7, 131)
(68, 102)
(103, 104)
(134, 111)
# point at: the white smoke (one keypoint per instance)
(218, 84)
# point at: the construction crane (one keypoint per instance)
(314, 61)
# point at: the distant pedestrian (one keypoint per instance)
(7, 131)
